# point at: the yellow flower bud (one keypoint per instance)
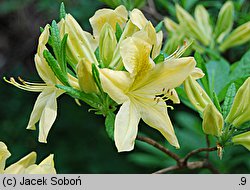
(197, 96)
(86, 80)
(107, 44)
(202, 19)
(225, 21)
(240, 110)
(238, 36)
(242, 139)
(170, 25)
(188, 23)
(212, 121)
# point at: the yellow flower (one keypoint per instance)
(45, 108)
(240, 110)
(242, 139)
(138, 89)
(25, 165)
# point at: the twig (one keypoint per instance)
(159, 146)
(189, 165)
(198, 151)
(208, 145)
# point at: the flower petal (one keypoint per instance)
(20, 166)
(137, 18)
(126, 127)
(135, 54)
(102, 16)
(4, 155)
(116, 84)
(156, 116)
(45, 167)
(168, 75)
(48, 116)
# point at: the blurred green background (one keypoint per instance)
(78, 138)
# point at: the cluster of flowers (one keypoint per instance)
(120, 64)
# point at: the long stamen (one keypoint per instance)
(26, 86)
(30, 83)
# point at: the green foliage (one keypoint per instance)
(159, 26)
(62, 11)
(129, 4)
(231, 91)
(109, 124)
(118, 32)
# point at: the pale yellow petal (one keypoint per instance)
(48, 115)
(80, 44)
(137, 18)
(126, 127)
(45, 167)
(116, 84)
(157, 45)
(156, 116)
(242, 139)
(4, 155)
(197, 73)
(20, 166)
(102, 16)
(86, 80)
(169, 74)
(136, 56)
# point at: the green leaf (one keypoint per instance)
(218, 75)
(158, 28)
(216, 101)
(109, 124)
(55, 39)
(62, 61)
(201, 64)
(90, 98)
(160, 58)
(231, 91)
(118, 32)
(62, 11)
(96, 77)
(55, 67)
(242, 70)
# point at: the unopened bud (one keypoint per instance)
(197, 96)
(242, 139)
(107, 44)
(238, 36)
(225, 21)
(212, 121)
(240, 110)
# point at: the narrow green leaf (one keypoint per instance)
(231, 91)
(63, 63)
(118, 32)
(216, 102)
(55, 67)
(96, 77)
(90, 99)
(202, 66)
(62, 11)
(109, 124)
(159, 27)
(55, 38)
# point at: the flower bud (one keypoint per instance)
(238, 36)
(197, 96)
(107, 44)
(170, 25)
(225, 21)
(240, 110)
(242, 139)
(202, 19)
(188, 23)
(86, 80)
(212, 121)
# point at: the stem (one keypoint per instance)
(159, 146)
(198, 151)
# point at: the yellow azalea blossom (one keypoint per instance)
(138, 89)
(45, 108)
(242, 139)
(25, 165)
